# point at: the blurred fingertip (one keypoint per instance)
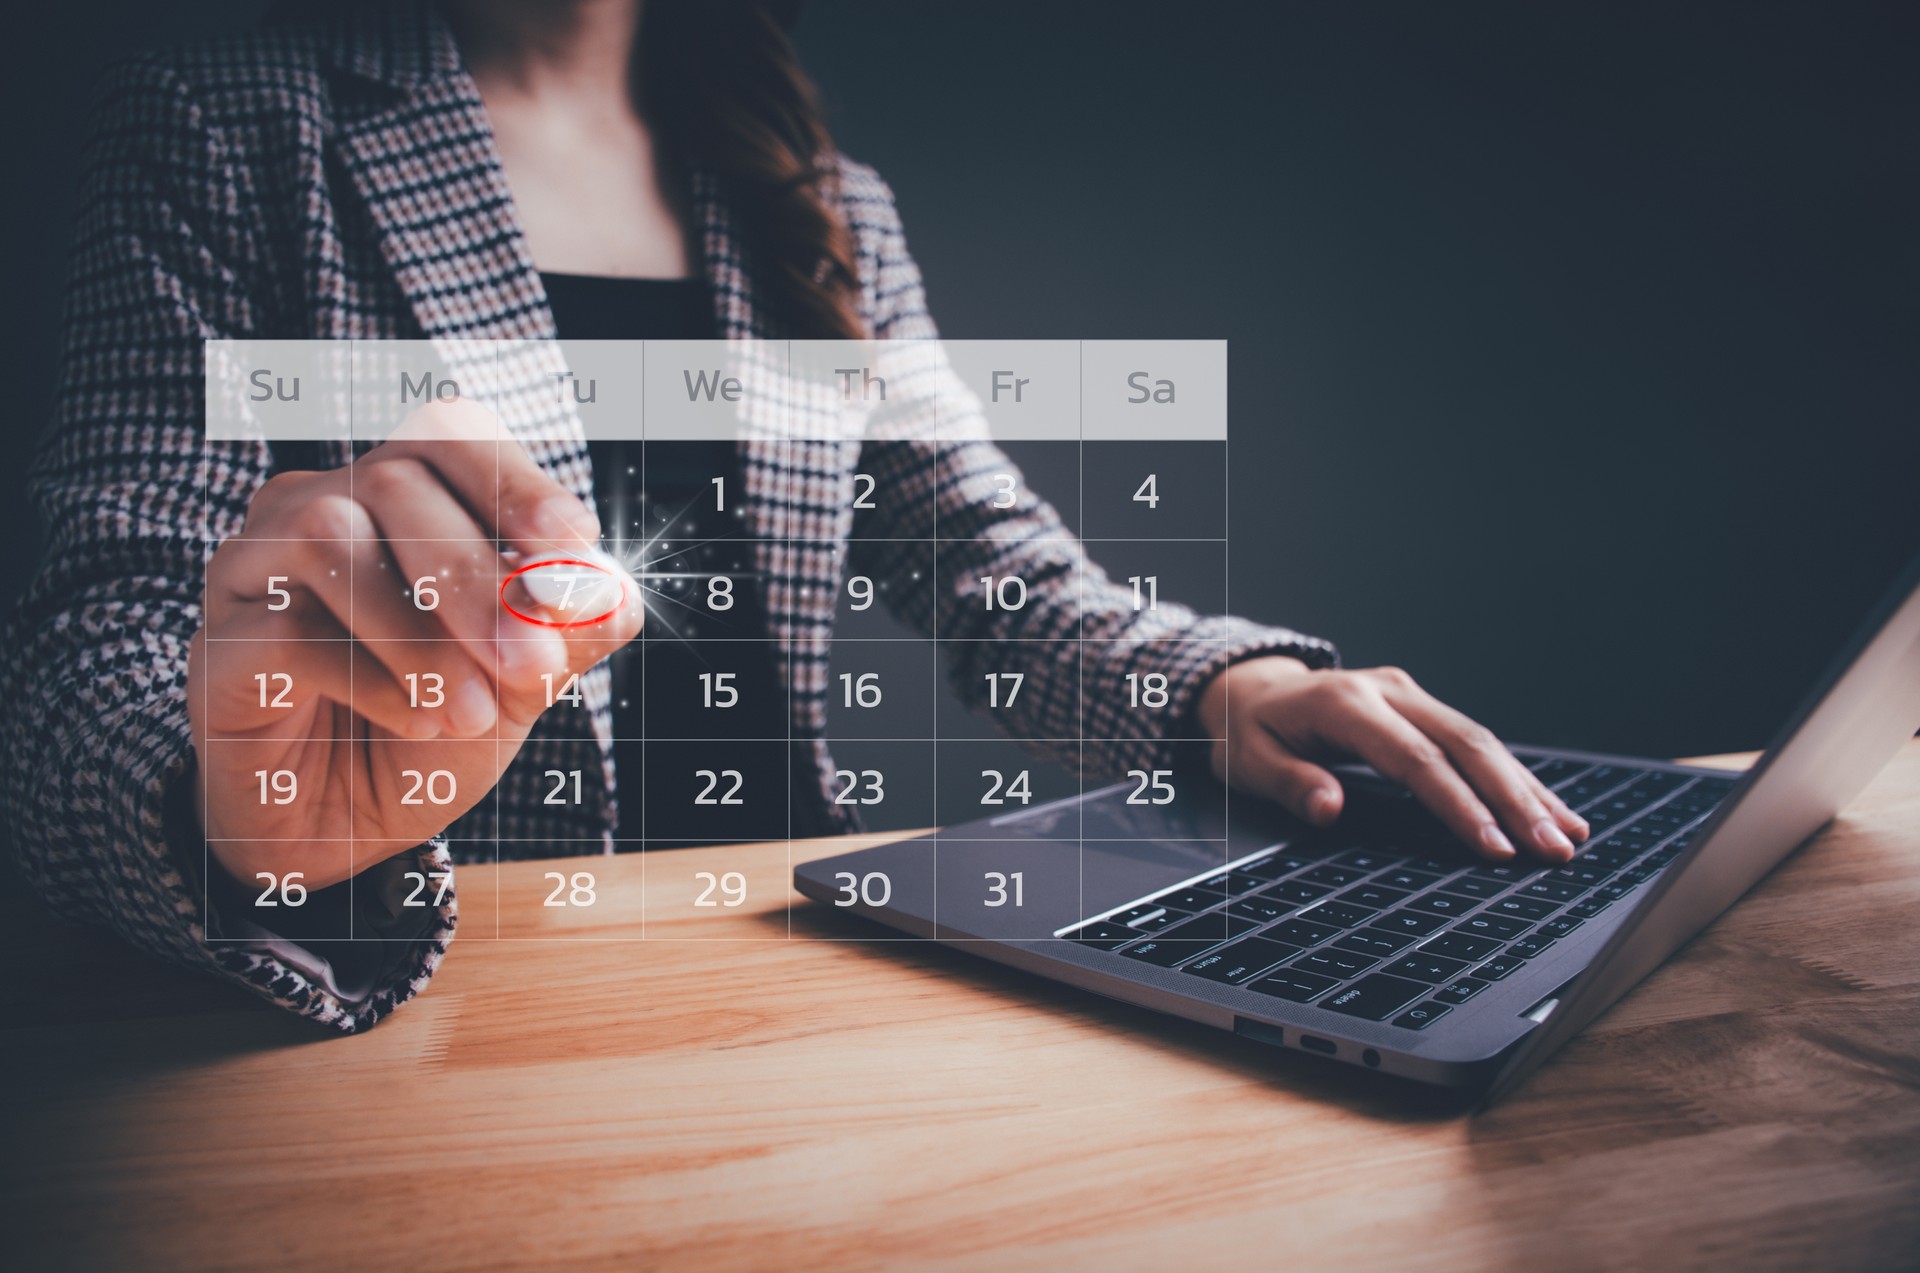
(1323, 806)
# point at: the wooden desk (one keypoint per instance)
(811, 1102)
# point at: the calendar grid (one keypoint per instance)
(645, 655)
(789, 764)
(1080, 644)
(353, 673)
(935, 764)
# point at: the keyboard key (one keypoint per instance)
(1611, 776)
(1165, 919)
(1339, 914)
(1599, 817)
(1612, 854)
(1589, 908)
(1105, 935)
(1374, 895)
(1624, 803)
(1134, 914)
(1523, 907)
(1259, 909)
(1529, 947)
(1558, 770)
(1613, 892)
(1659, 784)
(1585, 874)
(1372, 941)
(1162, 953)
(1460, 991)
(1376, 998)
(1334, 875)
(1559, 926)
(1423, 1016)
(1370, 858)
(1444, 904)
(1512, 872)
(1500, 966)
(1429, 968)
(1475, 886)
(1239, 882)
(1300, 933)
(1189, 899)
(1216, 926)
(1412, 881)
(1295, 986)
(1417, 923)
(1554, 890)
(1319, 846)
(1333, 963)
(1459, 945)
(1297, 892)
(1235, 963)
(1498, 927)
(1274, 867)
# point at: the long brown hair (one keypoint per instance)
(722, 88)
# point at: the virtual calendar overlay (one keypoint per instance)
(854, 568)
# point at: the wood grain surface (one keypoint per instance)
(773, 1098)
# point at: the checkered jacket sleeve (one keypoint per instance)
(96, 660)
(1078, 637)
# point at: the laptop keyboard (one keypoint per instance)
(1401, 929)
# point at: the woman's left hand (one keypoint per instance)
(1286, 716)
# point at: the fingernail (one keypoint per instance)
(422, 726)
(566, 519)
(1582, 829)
(470, 709)
(1322, 805)
(1495, 842)
(1549, 836)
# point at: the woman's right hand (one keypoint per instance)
(357, 684)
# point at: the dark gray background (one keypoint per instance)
(1573, 346)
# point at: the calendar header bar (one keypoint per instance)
(349, 391)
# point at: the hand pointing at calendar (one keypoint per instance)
(365, 645)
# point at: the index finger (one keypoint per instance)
(507, 492)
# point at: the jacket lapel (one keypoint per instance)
(425, 163)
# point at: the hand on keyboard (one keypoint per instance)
(1274, 718)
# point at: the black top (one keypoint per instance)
(702, 676)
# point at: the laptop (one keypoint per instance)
(1379, 942)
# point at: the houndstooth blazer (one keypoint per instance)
(340, 180)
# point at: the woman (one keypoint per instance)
(499, 169)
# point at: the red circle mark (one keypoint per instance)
(556, 623)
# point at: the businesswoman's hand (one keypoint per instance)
(355, 654)
(1286, 716)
